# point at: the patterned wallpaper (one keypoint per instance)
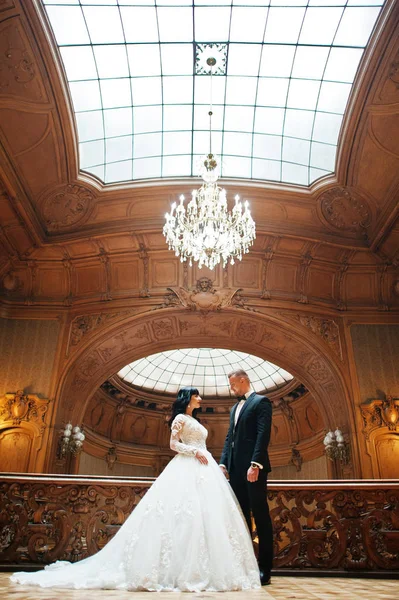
(27, 352)
(92, 465)
(312, 469)
(376, 350)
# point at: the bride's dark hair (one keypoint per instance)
(182, 401)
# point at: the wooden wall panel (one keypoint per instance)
(291, 246)
(15, 449)
(125, 274)
(89, 279)
(281, 276)
(320, 282)
(248, 273)
(280, 434)
(361, 288)
(51, 282)
(163, 272)
(19, 238)
(140, 429)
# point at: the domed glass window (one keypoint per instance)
(203, 368)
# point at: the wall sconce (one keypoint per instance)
(72, 440)
(336, 447)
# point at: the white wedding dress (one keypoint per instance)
(187, 533)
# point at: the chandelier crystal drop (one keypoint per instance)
(206, 231)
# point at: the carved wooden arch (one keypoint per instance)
(269, 337)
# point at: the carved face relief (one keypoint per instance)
(204, 284)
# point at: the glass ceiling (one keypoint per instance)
(203, 368)
(141, 99)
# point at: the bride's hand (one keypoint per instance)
(201, 457)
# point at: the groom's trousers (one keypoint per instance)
(253, 497)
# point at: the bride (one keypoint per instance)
(187, 534)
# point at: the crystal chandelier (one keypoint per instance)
(205, 231)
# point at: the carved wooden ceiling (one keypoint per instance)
(68, 240)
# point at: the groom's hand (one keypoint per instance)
(224, 471)
(252, 474)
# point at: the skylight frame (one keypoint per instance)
(204, 368)
(250, 148)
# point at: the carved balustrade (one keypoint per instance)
(326, 526)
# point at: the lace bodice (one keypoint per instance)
(188, 435)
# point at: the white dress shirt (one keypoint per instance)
(237, 414)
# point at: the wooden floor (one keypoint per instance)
(282, 588)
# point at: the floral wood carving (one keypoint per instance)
(67, 207)
(380, 413)
(84, 324)
(203, 297)
(327, 329)
(318, 370)
(17, 69)
(327, 527)
(20, 407)
(247, 330)
(344, 211)
(163, 329)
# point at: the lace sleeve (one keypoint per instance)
(175, 442)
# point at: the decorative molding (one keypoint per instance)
(111, 457)
(247, 330)
(163, 329)
(11, 283)
(143, 254)
(286, 409)
(344, 211)
(317, 526)
(318, 369)
(380, 413)
(382, 271)
(393, 73)
(84, 324)
(296, 459)
(204, 297)
(327, 329)
(17, 67)
(66, 207)
(104, 258)
(20, 407)
(266, 259)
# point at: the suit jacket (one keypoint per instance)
(248, 440)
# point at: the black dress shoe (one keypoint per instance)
(264, 578)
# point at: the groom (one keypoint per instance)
(245, 460)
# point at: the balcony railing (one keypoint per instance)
(320, 526)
